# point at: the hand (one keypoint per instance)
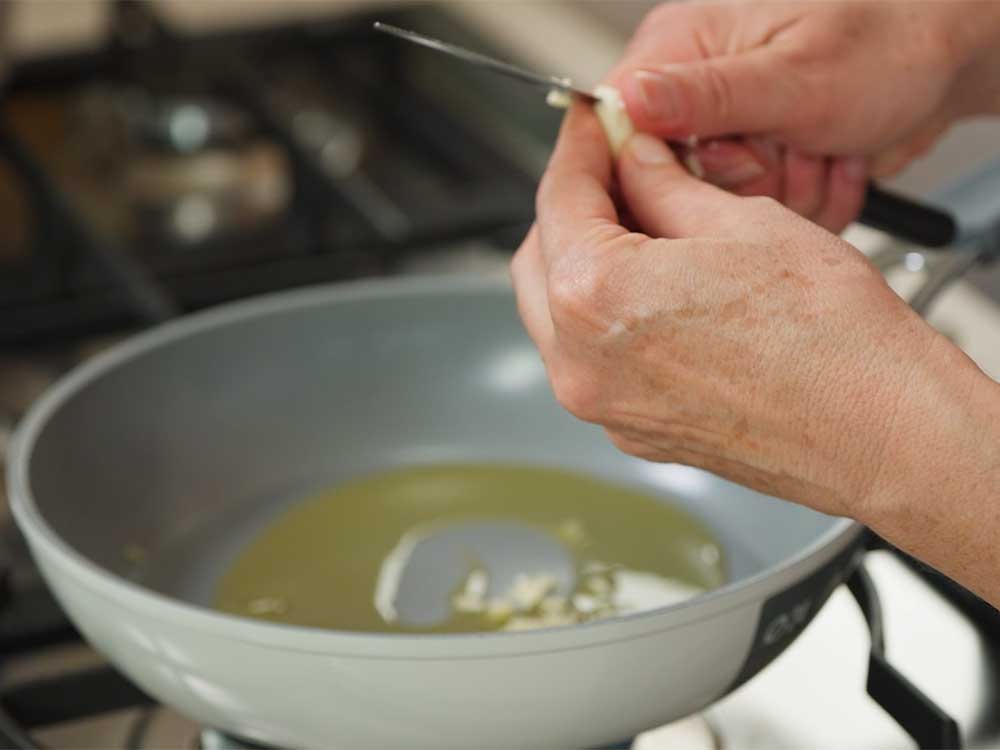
(829, 192)
(817, 79)
(732, 335)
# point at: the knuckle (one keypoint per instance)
(577, 393)
(718, 91)
(579, 288)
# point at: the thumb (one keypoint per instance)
(665, 199)
(738, 94)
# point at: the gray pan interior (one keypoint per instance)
(164, 465)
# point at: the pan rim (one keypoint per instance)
(134, 596)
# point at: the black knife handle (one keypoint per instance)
(907, 219)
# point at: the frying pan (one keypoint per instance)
(139, 476)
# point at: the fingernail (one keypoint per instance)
(659, 95)
(855, 168)
(768, 151)
(733, 173)
(648, 150)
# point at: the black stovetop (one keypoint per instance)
(364, 150)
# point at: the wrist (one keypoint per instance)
(942, 460)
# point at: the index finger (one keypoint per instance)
(574, 204)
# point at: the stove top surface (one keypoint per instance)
(167, 171)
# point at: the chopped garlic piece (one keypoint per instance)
(553, 605)
(710, 554)
(528, 591)
(585, 603)
(477, 582)
(468, 603)
(522, 622)
(267, 605)
(472, 596)
(611, 111)
(598, 585)
(498, 610)
(559, 98)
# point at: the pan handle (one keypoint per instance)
(907, 219)
(918, 715)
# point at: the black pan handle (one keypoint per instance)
(907, 219)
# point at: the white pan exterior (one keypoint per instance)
(166, 440)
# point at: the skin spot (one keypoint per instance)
(735, 310)
(616, 329)
(785, 276)
(691, 312)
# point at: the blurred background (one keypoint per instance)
(161, 157)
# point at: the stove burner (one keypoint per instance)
(166, 171)
(192, 166)
(181, 124)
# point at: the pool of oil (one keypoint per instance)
(319, 564)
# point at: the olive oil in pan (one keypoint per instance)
(326, 562)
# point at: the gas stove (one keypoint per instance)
(167, 171)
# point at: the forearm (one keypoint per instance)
(938, 493)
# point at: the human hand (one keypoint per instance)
(828, 191)
(731, 335)
(813, 81)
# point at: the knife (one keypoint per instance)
(907, 219)
(485, 61)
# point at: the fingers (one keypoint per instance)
(747, 93)
(845, 194)
(730, 164)
(528, 273)
(664, 198)
(574, 208)
(742, 166)
(810, 186)
(806, 179)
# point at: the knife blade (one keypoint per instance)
(485, 61)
